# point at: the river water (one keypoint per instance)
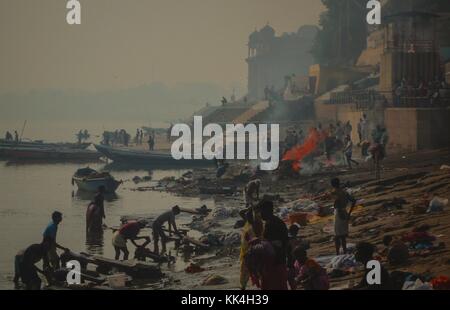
(29, 193)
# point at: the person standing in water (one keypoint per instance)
(95, 213)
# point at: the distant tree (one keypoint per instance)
(343, 32)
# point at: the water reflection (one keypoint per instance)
(89, 196)
(94, 242)
(150, 167)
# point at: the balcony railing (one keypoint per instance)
(363, 99)
(411, 46)
(415, 98)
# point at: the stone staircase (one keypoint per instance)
(251, 112)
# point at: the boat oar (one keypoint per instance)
(23, 128)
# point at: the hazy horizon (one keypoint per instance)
(121, 45)
(160, 59)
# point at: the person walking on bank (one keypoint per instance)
(348, 152)
(341, 217)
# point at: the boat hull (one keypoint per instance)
(35, 144)
(147, 158)
(48, 154)
(92, 185)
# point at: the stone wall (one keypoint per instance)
(418, 128)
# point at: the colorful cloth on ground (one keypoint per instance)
(441, 283)
(315, 276)
(418, 237)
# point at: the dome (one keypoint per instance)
(254, 37)
(267, 31)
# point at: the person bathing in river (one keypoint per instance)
(129, 231)
(158, 232)
(341, 217)
(49, 235)
(95, 212)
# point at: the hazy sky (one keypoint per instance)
(125, 43)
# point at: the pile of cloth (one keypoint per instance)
(218, 238)
(421, 242)
(221, 213)
(212, 239)
(193, 268)
(232, 238)
(303, 205)
(441, 283)
(413, 282)
(338, 265)
(361, 220)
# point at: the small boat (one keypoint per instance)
(147, 158)
(90, 180)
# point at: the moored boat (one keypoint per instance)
(90, 180)
(150, 158)
(48, 154)
(42, 144)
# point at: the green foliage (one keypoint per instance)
(343, 32)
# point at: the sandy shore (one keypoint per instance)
(392, 205)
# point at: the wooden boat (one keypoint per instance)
(147, 158)
(89, 180)
(217, 190)
(42, 144)
(48, 154)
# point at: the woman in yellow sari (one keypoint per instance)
(247, 235)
